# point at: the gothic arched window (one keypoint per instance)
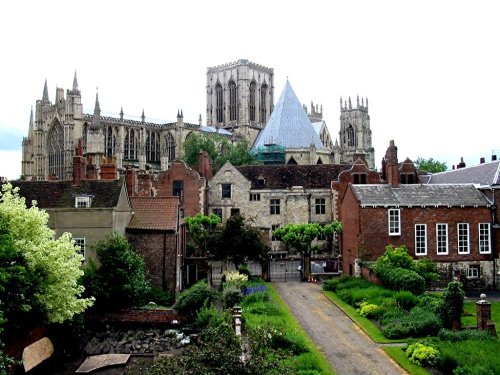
(252, 101)
(263, 99)
(170, 143)
(232, 101)
(152, 147)
(55, 144)
(130, 147)
(351, 137)
(219, 106)
(110, 142)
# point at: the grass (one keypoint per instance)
(285, 319)
(365, 324)
(400, 357)
(470, 319)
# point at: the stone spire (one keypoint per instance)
(45, 97)
(75, 83)
(143, 118)
(121, 113)
(30, 131)
(199, 120)
(97, 112)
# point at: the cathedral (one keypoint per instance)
(240, 105)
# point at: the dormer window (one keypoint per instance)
(359, 178)
(83, 202)
(261, 181)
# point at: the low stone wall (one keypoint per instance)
(132, 317)
(369, 275)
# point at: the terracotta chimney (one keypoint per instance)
(108, 171)
(130, 178)
(144, 185)
(79, 165)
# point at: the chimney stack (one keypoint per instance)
(391, 159)
(493, 157)
(461, 164)
(79, 167)
(481, 161)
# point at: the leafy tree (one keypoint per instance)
(56, 260)
(452, 305)
(241, 242)
(430, 165)
(191, 300)
(219, 149)
(332, 230)
(120, 280)
(205, 232)
(299, 237)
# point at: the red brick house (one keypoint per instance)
(154, 232)
(449, 223)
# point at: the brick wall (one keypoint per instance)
(159, 251)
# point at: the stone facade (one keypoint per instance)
(240, 97)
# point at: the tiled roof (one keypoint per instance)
(61, 194)
(419, 195)
(486, 174)
(289, 125)
(317, 176)
(154, 213)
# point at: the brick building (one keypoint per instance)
(154, 232)
(449, 223)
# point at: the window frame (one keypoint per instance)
(394, 230)
(440, 241)
(273, 228)
(218, 212)
(78, 241)
(275, 206)
(482, 241)
(460, 241)
(473, 271)
(226, 191)
(178, 189)
(320, 206)
(254, 197)
(83, 202)
(419, 236)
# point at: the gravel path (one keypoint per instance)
(347, 347)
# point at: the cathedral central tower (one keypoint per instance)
(240, 97)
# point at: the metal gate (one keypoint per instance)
(284, 270)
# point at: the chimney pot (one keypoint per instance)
(481, 161)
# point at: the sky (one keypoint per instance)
(430, 69)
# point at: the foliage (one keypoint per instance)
(418, 322)
(422, 355)
(405, 300)
(467, 334)
(430, 165)
(452, 305)
(54, 263)
(210, 316)
(369, 310)
(456, 357)
(120, 280)
(235, 278)
(398, 271)
(161, 297)
(431, 302)
(204, 231)
(298, 236)
(191, 300)
(241, 242)
(231, 295)
(219, 149)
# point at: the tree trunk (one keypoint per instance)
(307, 266)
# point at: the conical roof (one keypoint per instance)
(289, 125)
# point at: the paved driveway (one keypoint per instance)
(347, 347)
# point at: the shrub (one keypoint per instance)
(209, 316)
(430, 301)
(262, 308)
(369, 310)
(235, 278)
(456, 356)
(231, 295)
(193, 299)
(402, 279)
(472, 369)
(468, 334)
(422, 355)
(395, 257)
(417, 323)
(244, 270)
(452, 305)
(405, 300)
(427, 269)
(161, 297)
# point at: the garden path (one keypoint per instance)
(349, 350)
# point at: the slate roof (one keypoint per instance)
(154, 213)
(486, 174)
(317, 176)
(420, 195)
(61, 194)
(289, 125)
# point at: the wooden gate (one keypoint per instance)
(284, 270)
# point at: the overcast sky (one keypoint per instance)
(430, 69)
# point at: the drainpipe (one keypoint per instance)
(494, 227)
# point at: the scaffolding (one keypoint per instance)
(270, 154)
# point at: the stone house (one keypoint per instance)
(154, 232)
(271, 196)
(89, 209)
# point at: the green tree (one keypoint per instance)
(299, 237)
(241, 242)
(430, 165)
(194, 143)
(237, 154)
(452, 305)
(120, 280)
(57, 260)
(205, 233)
(332, 230)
